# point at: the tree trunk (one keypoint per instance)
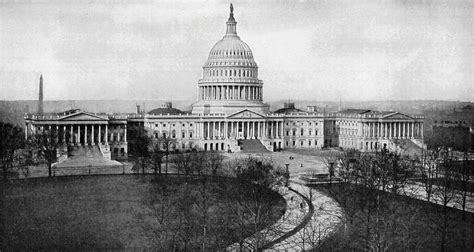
(49, 169)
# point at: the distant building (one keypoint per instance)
(457, 135)
(230, 113)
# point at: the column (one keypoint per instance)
(248, 130)
(71, 137)
(79, 134)
(412, 130)
(249, 125)
(282, 132)
(85, 134)
(64, 134)
(372, 130)
(93, 136)
(106, 134)
(421, 130)
(399, 130)
(225, 130)
(252, 131)
(100, 139)
(270, 126)
(405, 130)
(259, 133)
(379, 130)
(208, 130)
(388, 130)
(57, 133)
(125, 134)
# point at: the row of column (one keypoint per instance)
(230, 92)
(82, 133)
(230, 73)
(393, 129)
(241, 129)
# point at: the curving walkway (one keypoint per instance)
(325, 219)
(310, 217)
(297, 212)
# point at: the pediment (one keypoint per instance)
(83, 116)
(246, 114)
(398, 115)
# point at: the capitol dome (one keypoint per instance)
(230, 50)
(230, 77)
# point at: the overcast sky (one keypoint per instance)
(314, 50)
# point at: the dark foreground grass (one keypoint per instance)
(399, 223)
(82, 212)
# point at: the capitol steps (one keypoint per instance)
(408, 146)
(84, 151)
(251, 146)
(87, 156)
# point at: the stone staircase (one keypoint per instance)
(251, 146)
(88, 151)
(86, 156)
(408, 146)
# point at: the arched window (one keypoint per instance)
(235, 72)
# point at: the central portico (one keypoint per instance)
(230, 81)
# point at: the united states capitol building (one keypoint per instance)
(230, 115)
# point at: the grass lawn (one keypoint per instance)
(401, 224)
(86, 212)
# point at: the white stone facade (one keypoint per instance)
(230, 108)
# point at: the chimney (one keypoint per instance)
(40, 98)
(138, 109)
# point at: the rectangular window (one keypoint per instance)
(294, 143)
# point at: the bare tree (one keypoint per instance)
(167, 143)
(258, 180)
(47, 145)
(214, 161)
(11, 140)
(141, 150)
(465, 169)
(446, 194)
(428, 169)
(183, 163)
(157, 155)
(200, 162)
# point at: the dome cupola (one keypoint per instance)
(230, 76)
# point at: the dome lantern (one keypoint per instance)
(231, 23)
